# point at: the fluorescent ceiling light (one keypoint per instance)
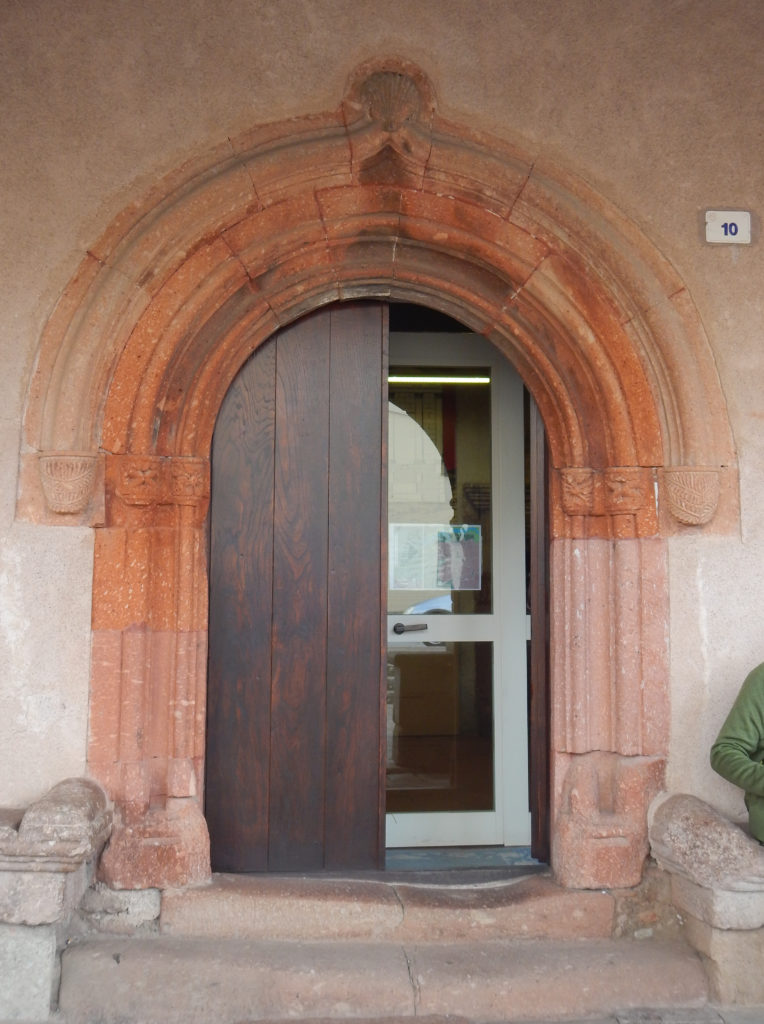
(422, 379)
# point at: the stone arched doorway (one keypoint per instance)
(380, 198)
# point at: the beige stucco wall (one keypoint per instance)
(657, 104)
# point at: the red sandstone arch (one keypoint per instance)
(378, 198)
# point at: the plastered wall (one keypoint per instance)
(656, 104)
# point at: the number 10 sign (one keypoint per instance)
(728, 226)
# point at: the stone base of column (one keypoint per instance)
(600, 840)
(165, 849)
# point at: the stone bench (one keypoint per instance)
(717, 886)
(48, 855)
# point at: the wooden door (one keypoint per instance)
(295, 767)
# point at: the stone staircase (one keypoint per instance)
(249, 948)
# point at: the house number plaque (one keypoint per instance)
(731, 226)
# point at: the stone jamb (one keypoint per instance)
(381, 198)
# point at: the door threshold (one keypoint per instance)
(448, 858)
(441, 866)
(459, 865)
(426, 865)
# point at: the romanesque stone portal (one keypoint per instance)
(378, 198)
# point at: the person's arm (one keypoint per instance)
(740, 741)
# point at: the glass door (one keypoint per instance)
(457, 764)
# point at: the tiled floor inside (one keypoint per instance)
(444, 858)
(460, 864)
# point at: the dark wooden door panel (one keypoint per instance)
(354, 822)
(300, 530)
(294, 756)
(241, 565)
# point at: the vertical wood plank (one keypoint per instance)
(298, 692)
(354, 836)
(241, 556)
(295, 754)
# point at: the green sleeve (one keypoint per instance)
(737, 753)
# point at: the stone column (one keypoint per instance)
(149, 666)
(609, 670)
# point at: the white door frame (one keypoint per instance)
(509, 823)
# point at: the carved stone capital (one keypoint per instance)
(146, 480)
(617, 490)
(139, 480)
(189, 481)
(577, 491)
(67, 480)
(626, 489)
(692, 493)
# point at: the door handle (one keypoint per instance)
(416, 627)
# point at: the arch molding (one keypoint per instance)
(379, 198)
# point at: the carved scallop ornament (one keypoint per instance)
(692, 493)
(391, 98)
(68, 480)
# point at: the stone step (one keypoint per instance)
(165, 979)
(272, 907)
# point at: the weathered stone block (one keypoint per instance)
(717, 882)
(165, 849)
(720, 908)
(601, 840)
(28, 972)
(68, 825)
(47, 853)
(646, 910)
(692, 839)
(120, 911)
(40, 897)
(733, 962)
